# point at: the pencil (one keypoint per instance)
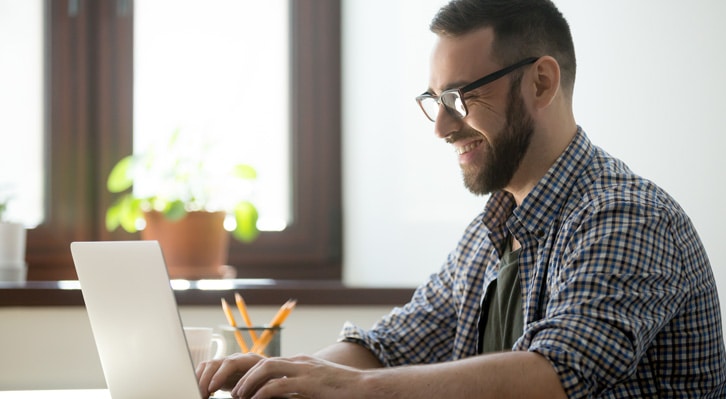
(230, 320)
(276, 322)
(242, 307)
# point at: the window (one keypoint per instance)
(91, 125)
(220, 86)
(21, 110)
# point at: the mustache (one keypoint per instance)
(462, 134)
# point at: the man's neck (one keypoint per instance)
(515, 244)
(546, 146)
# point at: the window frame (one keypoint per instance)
(89, 114)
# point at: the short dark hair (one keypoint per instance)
(522, 28)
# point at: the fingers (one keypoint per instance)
(224, 373)
(205, 371)
(277, 377)
(283, 387)
(263, 373)
(299, 376)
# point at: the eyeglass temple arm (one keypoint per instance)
(498, 74)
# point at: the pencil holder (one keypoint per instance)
(261, 340)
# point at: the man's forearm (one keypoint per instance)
(349, 354)
(502, 375)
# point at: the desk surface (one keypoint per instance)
(71, 394)
(59, 394)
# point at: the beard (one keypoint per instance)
(505, 151)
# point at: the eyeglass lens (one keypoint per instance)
(451, 100)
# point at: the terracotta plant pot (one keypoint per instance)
(195, 247)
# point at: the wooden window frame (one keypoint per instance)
(89, 127)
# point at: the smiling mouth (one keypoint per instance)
(466, 148)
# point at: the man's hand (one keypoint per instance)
(224, 373)
(298, 377)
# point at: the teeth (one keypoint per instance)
(467, 147)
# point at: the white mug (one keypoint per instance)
(12, 245)
(201, 341)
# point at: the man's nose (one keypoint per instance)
(446, 123)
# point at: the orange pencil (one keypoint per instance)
(242, 307)
(277, 321)
(230, 320)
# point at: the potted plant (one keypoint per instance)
(12, 246)
(182, 195)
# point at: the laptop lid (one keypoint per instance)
(135, 320)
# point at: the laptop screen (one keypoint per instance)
(135, 321)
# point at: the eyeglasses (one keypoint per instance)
(453, 99)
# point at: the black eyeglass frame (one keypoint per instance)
(469, 87)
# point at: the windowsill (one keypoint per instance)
(209, 292)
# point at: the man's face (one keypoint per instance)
(494, 136)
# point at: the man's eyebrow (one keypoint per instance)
(456, 85)
(452, 85)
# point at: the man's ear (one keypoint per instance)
(545, 75)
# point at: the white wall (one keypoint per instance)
(53, 348)
(650, 89)
(405, 205)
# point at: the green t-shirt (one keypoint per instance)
(502, 308)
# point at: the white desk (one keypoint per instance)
(60, 394)
(71, 394)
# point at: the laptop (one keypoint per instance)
(135, 320)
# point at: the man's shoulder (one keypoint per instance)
(608, 183)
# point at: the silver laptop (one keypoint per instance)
(135, 320)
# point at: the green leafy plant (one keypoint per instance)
(179, 177)
(3, 208)
(4, 200)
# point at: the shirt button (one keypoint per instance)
(539, 233)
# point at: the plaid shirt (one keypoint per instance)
(617, 289)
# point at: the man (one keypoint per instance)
(579, 279)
